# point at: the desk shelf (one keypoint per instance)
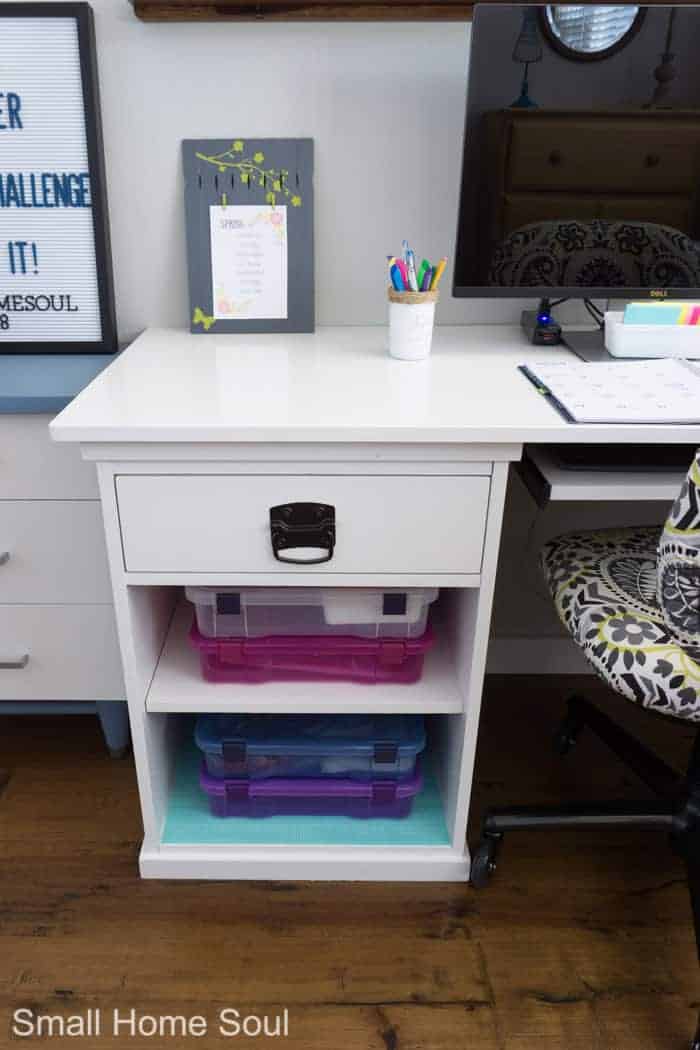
(547, 481)
(178, 686)
(417, 847)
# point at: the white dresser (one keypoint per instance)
(58, 642)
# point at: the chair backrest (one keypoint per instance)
(679, 563)
(599, 253)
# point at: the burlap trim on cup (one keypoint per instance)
(412, 297)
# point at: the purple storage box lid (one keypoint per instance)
(312, 787)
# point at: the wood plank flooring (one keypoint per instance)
(583, 942)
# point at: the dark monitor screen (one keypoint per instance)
(581, 164)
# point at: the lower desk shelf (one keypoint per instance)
(196, 844)
(189, 820)
(178, 686)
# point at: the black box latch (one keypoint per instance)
(386, 754)
(394, 604)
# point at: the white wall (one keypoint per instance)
(384, 104)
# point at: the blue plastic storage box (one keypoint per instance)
(358, 747)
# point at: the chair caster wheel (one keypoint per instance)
(566, 738)
(119, 752)
(484, 862)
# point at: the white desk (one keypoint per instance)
(196, 437)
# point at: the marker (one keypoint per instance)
(404, 272)
(427, 278)
(425, 265)
(396, 278)
(439, 269)
(412, 279)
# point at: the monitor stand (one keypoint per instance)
(541, 329)
(588, 345)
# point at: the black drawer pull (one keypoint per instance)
(303, 526)
(652, 160)
(555, 158)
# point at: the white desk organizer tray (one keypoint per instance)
(650, 340)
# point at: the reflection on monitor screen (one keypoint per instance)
(582, 152)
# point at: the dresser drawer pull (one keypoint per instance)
(4, 557)
(652, 160)
(306, 531)
(15, 665)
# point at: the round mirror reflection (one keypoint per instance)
(586, 32)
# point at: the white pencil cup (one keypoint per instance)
(411, 321)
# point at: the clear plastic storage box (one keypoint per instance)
(311, 796)
(256, 612)
(311, 658)
(357, 747)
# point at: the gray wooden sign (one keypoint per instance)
(268, 173)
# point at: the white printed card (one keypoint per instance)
(248, 261)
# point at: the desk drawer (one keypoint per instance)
(32, 466)
(53, 551)
(61, 652)
(383, 524)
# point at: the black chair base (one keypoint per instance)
(676, 810)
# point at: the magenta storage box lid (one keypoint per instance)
(237, 650)
(311, 787)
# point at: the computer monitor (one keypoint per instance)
(581, 161)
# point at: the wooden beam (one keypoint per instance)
(316, 10)
(284, 10)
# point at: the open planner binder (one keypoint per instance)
(665, 391)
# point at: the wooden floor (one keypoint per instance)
(581, 943)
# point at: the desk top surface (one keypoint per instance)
(335, 385)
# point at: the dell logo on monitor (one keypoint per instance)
(658, 293)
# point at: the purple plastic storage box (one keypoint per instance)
(310, 796)
(309, 658)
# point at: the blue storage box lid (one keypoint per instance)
(311, 734)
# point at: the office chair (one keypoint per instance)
(631, 601)
(596, 253)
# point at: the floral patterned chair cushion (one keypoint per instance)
(608, 587)
(679, 564)
(596, 253)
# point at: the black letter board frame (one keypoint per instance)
(226, 171)
(83, 15)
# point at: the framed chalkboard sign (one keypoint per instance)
(249, 209)
(55, 267)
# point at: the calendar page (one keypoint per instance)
(654, 391)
